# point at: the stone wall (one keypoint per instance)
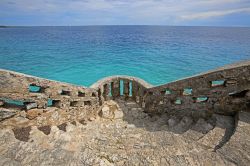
(24, 93)
(224, 91)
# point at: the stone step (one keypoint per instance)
(198, 130)
(215, 136)
(132, 104)
(237, 149)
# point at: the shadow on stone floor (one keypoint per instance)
(134, 114)
(216, 124)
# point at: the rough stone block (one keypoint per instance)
(32, 114)
(30, 106)
(6, 113)
(1, 103)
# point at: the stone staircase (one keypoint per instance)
(123, 120)
(132, 138)
(237, 149)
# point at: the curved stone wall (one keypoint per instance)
(224, 91)
(124, 87)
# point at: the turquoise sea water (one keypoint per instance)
(157, 54)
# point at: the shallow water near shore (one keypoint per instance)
(157, 54)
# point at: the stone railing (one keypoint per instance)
(24, 92)
(124, 87)
(224, 91)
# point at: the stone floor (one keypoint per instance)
(123, 134)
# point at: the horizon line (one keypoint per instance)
(226, 26)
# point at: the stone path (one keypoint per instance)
(124, 135)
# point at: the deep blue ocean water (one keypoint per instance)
(157, 54)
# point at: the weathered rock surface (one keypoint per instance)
(1, 103)
(145, 140)
(30, 106)
(111, 110)
(31, 114)
(6, 113)
(237, 148)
